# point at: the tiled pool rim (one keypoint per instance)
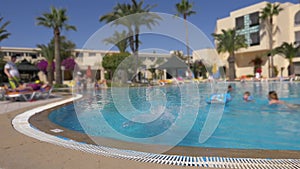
(21, 124)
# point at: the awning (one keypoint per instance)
(173, 63)
(25, 66)
(174, 67)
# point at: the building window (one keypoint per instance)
(297, 37)
(79, 54)
(33, 55)
(255, 40)
(297, 18)
(18, 54)
(92, 54)
(239, 23)
(297, 40)
(254, 19)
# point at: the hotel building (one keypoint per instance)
(247, 22)
(84, 58)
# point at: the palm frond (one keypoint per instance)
(4, 34)
(56, 19)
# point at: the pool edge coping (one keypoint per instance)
(22, 125)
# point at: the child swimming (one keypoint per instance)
(247, 97)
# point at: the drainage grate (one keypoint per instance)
(22, 125)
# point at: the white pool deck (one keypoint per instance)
(7, 106)
(42, 150)
(18, 151)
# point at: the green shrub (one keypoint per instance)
(60, 86)
(108, 83)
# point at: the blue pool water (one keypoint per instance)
(243, 125)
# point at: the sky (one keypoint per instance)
(85, 16)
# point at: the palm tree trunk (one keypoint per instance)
(131, 40)
(136, 39)
(272, 67)
(292, 67)
(269, 65)
(50, 73)
(272, 72)
(136, 48)
(187, 42)
(231, 61)
(58, 79)
(132, 46)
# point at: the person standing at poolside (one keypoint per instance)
(11, 71)
(78, 81)
(88, 75)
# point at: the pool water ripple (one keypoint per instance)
(244, 125)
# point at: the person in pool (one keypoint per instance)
(273, 98)
(228, 94)
(229, 89)
(247, 97)
(220, 98)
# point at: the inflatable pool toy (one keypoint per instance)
(219, 98)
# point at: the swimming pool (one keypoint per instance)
(243, 125)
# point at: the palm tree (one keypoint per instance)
(148, 20)
(138, 16)
(3, 35)
(66, 47)
(134, 22)
(47, 52)
(267, 14)
(121, 11)
(3, 32)
(120, 40)
(289, 50)
(56, 20)
(229, 41)
(184, 8)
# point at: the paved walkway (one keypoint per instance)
(18, 151)
(9, 106)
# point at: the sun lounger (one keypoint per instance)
(29, 95)
(26, 95)
(43, 93)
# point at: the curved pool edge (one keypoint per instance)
(22, 125)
